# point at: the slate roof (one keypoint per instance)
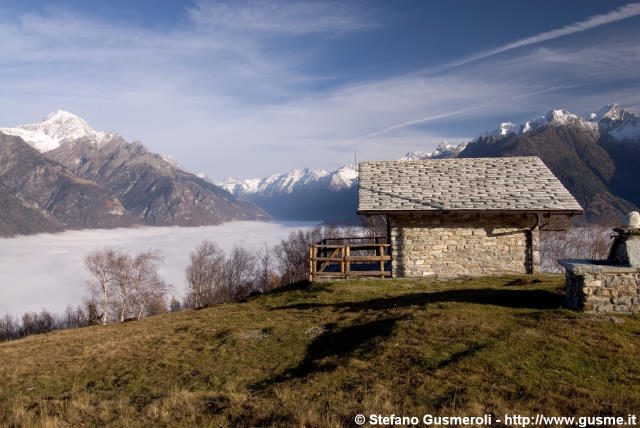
(515, 184)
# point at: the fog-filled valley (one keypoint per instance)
(46, 271)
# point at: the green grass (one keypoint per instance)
(408, 347)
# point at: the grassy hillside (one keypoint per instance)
(317, 356)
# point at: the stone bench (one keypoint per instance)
(599, 286)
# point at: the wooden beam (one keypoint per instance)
(331, 258)
(380, 259)
(311, 262)
(347, 262)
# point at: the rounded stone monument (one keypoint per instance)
(632, 219)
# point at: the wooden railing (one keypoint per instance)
(325, 258)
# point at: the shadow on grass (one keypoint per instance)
(532, 299)
(335, 345)
(304, 286)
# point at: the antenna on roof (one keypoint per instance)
(355, 161)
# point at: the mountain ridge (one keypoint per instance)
(143, 188)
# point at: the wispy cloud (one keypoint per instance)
(419, 121)
(458, 112)
(279, 17)
(624, 12)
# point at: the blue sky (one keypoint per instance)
(250, 88)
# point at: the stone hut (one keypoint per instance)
(463, 216)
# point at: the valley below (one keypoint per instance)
(47, 270)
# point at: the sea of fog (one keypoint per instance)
(46, 271)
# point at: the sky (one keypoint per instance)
(57, 276)
(250, 88)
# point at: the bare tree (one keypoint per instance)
(264, 269)
(156, 305)
(100, 265)
(175, 305)
(591, 242)
(292, 255)
(207, 260)
(9, 329)
(239, 270)
(146, 284)
(374, 226)
(93, 318)
(74, 317)
(122, 271)
(126, 284)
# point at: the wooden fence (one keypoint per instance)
(325, 259)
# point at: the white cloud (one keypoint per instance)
(47, 270)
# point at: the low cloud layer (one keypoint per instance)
(47, 270)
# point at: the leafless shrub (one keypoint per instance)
(292, 255)
(373, 226)
(591, 242)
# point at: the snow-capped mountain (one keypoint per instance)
(610, 120)
(57, 128)
(92, 178)
(342, 178)
(444, 150)
(302, 194)
(619, 124)
(554, 117)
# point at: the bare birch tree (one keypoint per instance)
(100, 265)
(206, 261)
(122, 268)
(146, 284)
(126, 284)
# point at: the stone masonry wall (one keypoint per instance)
(463, 244)
(602, 288)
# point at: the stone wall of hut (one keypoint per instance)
(463, 244)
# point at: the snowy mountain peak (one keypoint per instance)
(620, 124)
(610, 111)
(173, 162)
(442, 151)
(344, 177)
(58, 127)
(61, 115)
(507, 128)
(554, 117)
(285, 183)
